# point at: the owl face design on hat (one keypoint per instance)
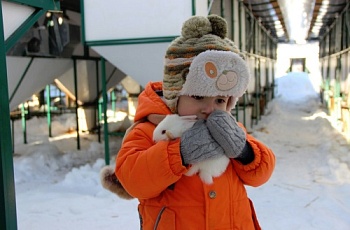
(216, 73)
(204, 62)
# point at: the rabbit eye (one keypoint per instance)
(163, 131)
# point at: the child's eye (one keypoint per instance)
(197, 97)
(220, 100)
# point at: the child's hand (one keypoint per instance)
(197, 144)
(225, 130)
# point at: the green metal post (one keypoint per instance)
(222, 8)
(76, 101)
(273, 84)
(237, 112)
(233, 20)
(327, 84)
(98, 104)
(267, 83)
(240, 26)
(104, 105)
(13, 134)
(259, 88)
(245, 107)
(100, 101)
(193, 7)
(8, 216)
(114, 99)
(24, 123)
(337, 88)
(48, 103)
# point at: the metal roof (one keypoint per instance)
(296, 20)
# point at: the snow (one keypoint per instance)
(58, 186)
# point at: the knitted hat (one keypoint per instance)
(204, 62)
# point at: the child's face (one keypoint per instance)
(202, 107)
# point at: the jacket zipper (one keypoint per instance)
(158, 218)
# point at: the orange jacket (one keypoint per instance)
(154, 174)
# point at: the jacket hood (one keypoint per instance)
(149, 102)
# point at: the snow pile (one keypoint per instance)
(57, 186)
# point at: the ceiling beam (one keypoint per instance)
(259, 10)
(318, 4)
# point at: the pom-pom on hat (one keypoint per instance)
(204, 62)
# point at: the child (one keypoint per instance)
(204, 76)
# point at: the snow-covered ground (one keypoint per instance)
(58, 187)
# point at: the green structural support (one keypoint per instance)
(114, 100)
(76, 101)
(11, 41)
(104, 108)
(8, 220)
(8, 216)
(24, 113)
(48, 111)
(41, 7)
(99, 117)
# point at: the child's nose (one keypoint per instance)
(208, 109)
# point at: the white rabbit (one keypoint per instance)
(209, 168)
(171, 127)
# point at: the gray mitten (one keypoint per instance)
(197, 144)
(225, 130)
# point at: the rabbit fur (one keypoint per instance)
(173, 126)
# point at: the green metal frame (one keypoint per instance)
(130, 41)
(41, 6)
(7, 187)
(50, 5)
(11, 41)
(8, 216)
